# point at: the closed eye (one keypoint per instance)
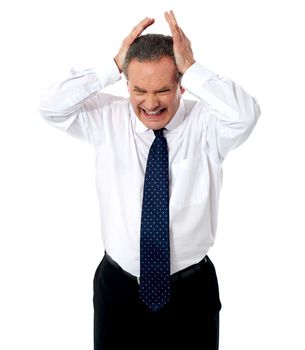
(164, 92)
(139, 91)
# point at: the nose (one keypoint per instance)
(151, 102)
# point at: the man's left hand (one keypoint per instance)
(182, 45)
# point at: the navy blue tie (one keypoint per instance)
(154, 247)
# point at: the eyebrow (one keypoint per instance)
(165, 88)
(138, 89)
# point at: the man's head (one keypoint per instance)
(153, 79)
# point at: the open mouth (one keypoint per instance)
(153, 114)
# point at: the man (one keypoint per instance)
(136, 304)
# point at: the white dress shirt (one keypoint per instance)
(199, 137)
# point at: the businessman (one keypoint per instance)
(159, 169)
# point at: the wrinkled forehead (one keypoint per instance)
(163, 71)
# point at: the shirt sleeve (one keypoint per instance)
(70, 103)
(232, 112)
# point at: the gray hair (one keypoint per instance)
(150, 47)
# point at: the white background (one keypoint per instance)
(50, 241)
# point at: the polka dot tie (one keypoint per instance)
(154, 247)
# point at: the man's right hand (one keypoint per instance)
(137, 30)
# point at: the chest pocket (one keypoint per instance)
(189, 183)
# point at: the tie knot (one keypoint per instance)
(159, 132)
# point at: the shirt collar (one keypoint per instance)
(172, 126)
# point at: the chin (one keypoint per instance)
(155, 125)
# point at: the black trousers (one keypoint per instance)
(189, 321)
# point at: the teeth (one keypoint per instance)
(153, 113)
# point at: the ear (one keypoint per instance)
(182, 90)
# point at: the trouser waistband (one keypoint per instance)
(187, 272)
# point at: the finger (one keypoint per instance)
(171, 12)
(144, 23)
(148, 22)
(173, 25)
(171, 19)
(140, 27)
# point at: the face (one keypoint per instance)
(154, 91)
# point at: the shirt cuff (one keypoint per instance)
(196, 76)
(197, 80)
(108, 73)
